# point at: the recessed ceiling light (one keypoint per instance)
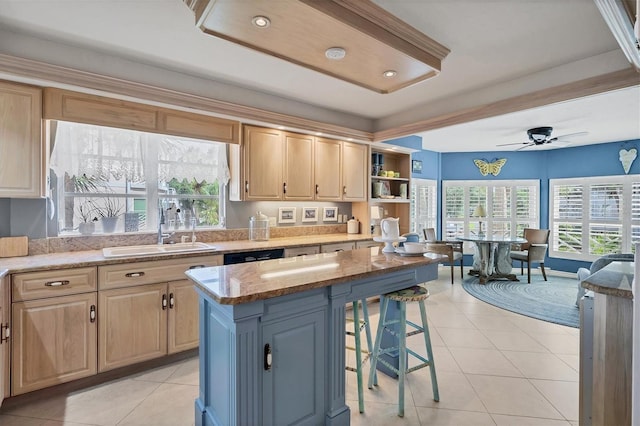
(280, 127)
(335, 53)
(318, 133)
(390, 73)
(261, 21)
(349, 139)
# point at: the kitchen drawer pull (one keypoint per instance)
(171, 301)
(246, 186)
(134, 274)
(267, 357)
(164, 302)
(197, 266)
(92, 313)
(284, 188)
(4, 333)
(56, 283)
(344, 190)
(317, 188)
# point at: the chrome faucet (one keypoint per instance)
(161, 236)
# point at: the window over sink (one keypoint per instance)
(99, 172)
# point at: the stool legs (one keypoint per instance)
(403, 369)
(357, 327)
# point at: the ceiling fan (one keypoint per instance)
(541, 136)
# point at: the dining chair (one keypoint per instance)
(451, 249)
(533, 251)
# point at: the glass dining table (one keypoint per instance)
(491, 259)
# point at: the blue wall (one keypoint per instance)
(592, 160)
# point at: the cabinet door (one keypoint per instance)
(298, 167)
(183, 316)
(133, 325)
(293, 387)
(21, 164)
(355, 170)
(263, 154)
(328, 162)
(54, 341)
(4, 339)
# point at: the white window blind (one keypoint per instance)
(424, 204)
(511, 206)
(593, 216)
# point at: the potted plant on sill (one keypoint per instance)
(109, 210)
(85, 211)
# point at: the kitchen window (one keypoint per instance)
(592, 216)
(101, 171)
(510, 207)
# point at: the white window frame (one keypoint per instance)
(469, 221)
(423, 215)
(626, 220)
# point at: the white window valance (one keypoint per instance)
(105, 153)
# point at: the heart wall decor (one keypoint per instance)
(627, 157)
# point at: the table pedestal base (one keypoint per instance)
(494, 276)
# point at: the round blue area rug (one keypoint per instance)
(552, 301)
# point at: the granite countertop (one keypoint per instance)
(614, 280)
(77, 259)
(248, 282)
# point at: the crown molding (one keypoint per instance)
(577, 89)
(83, 81)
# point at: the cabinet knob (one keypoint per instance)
(317, 188)
(92, 313)
(344, 190)
(171, 301)
(164, 302)
(284, 188)
(246, 186)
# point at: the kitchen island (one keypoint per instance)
(272, 333)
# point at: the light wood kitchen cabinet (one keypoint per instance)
(133, 325)
(54, 336)
(354, 169)
(328, 179)
(147, 310)
(79, 107)
(299, 167)
(183, 316)
(5, 327)
(21, 142)
(262, 156)
(54, 341)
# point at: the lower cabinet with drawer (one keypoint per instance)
(141, 318)
(53, 328)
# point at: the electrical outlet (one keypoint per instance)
(272, 221)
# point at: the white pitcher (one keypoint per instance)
(390, 228)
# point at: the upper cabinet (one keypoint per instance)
(78, 107)
(21, 142)
(276, 165)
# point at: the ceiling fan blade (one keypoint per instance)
(517, 143)
(526, 146)
(569, 135)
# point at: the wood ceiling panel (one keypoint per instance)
(301, 34)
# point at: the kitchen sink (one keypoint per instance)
(151, 249)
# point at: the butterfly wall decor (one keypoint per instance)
(493, 167)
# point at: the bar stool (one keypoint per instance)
(358, 325)
(411, 294)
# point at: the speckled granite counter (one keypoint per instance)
(614, 280)
(247, 282)
(94, 257)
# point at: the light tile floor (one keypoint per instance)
(493, 368)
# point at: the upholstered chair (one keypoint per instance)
(599, 263)
(451, 249)
(533, 251)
